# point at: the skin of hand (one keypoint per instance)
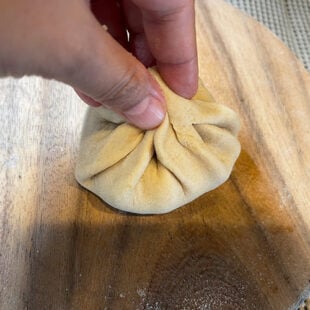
(65, 40)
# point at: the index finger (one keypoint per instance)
(170, 31)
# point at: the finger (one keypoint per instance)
(137, 40)
(62, 40)
(109, 13)
(106, 73)
(170, 31)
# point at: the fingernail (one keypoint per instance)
(147, 114)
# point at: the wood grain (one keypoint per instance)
(245, 245)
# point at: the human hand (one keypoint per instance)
(63, 40)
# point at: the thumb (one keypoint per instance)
(104, 73)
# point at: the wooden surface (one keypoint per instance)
(245, 245)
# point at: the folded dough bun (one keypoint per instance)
(156, 171)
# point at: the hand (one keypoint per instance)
(64, 40)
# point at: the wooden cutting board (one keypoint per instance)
(245, 245)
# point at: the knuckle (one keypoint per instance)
(127, 91)
(168, 12)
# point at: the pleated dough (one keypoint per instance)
(156, 171)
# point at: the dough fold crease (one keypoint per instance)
(150, 172)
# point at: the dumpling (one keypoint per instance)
(156, 171)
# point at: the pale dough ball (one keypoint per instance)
(156, 171)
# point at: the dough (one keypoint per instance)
(156, 171)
